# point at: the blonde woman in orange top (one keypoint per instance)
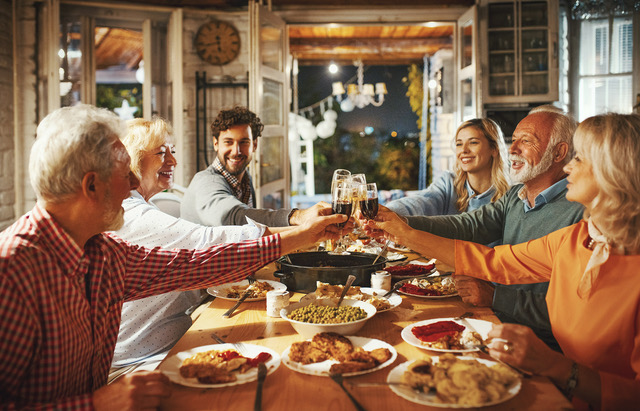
(591, 266)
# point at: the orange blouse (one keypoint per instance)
(601, 330)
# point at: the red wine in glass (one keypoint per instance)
(369, 208)
(342, 207)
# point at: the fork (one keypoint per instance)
(251, 279)
(239, 346)
(338, 379)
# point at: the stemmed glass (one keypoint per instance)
(341, 203)
(340, 177)
(368, 200)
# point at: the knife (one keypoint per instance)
(237, 304)
(262, 374)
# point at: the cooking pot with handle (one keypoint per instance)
(300, 271)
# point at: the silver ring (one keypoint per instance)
(506, 347)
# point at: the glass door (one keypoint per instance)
(467, 39)
(268, 97)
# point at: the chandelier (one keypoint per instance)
(359, 95)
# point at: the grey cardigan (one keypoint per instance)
(209, 200)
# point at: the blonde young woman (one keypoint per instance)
(591, 266)
(479, 176)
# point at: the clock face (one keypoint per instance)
(217, 42)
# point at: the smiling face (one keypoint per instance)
(529, 156)
(118, 187)
(473, 151)
(582, 186)
(234, 147)
(156, 169)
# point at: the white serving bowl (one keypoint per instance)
(308, 330)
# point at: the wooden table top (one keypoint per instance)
(289, 390)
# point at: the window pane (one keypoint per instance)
(271, 157)
(271, 46)
(594, 47)
(622, 46)
(272, 103)
(118, 58)
(604, 94)
(70, 64)
(467, 45)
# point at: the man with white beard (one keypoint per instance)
(541, 146)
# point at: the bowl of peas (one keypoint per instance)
(312, 317)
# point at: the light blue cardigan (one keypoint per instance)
(439, 199)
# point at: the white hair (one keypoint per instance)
(70, 142)
(563, 128)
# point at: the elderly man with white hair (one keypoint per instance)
(541, 146)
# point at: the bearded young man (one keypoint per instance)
(223, 194)
(541, 146)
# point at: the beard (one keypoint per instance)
(114, 217)
(236, 169)
(529, 172)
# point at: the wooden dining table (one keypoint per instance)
(286, 389)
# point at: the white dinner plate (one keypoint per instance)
(322, 368)
(393, 257)
(171, 366)
(221, 291)
(425, 297)
(429, 398)
(394, 299)
(481, 326)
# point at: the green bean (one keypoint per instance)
(327, 315)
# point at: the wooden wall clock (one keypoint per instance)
(217, 42)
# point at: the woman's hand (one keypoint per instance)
(518, 345)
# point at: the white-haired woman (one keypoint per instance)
(591, 266)
(151, 326)
(479, 176)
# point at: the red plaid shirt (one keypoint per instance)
(57, 334)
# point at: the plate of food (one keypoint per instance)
(411, 270)
(373, 247)
(447, 334)
(454, 382)
(233, 291)
(219, 365)
(431, 288)
(331, 353)
(370, 295)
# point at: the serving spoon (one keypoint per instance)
(350, 281)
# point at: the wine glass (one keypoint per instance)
(340, 177)
(341, 203)
(368, 200)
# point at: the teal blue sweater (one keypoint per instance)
(507, 221)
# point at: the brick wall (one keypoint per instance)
(7, 192)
